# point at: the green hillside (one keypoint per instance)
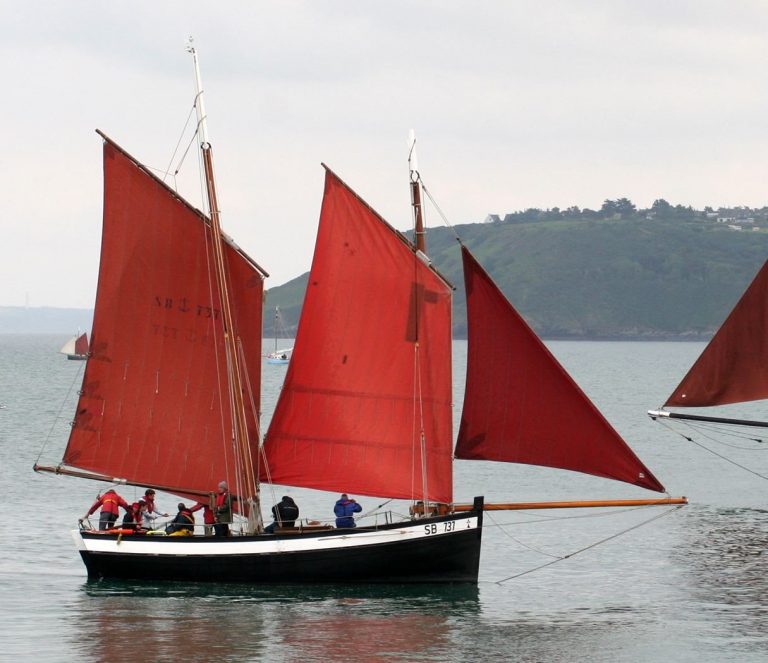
(595, 277)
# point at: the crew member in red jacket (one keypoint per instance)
(208, 518)
(110, 503)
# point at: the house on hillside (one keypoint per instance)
(492, 218)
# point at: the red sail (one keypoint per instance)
(374, 333)
(732, 368)
(520, 405)
(81, 345)
(154, 407)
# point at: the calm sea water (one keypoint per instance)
(689, 586)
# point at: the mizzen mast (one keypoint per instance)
(250, 485)
(418, 220)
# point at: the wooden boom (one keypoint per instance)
(578, 504)
(653, 414)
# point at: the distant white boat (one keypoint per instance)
(76, 347)
(279, 356)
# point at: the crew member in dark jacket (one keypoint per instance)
(184, 521)
(344, 509)
(285, 513)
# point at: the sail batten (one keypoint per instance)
(520, 404)
(375, 321)
(154, 407)
(732, 367)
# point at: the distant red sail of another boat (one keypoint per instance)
(81, 345)
(520, 404)
(732, 368)
(375, 332)
(154, 408)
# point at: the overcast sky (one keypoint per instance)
(515, 104)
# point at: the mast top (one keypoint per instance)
(202, 126)
(413, 162)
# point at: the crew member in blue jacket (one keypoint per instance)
(344, 509)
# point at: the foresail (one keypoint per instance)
(69, 347)
(733, 368)
(521, 406)
(375, 331)
(154, 408)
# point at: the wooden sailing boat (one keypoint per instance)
(367, 411)
(279, 355)
(76, 347)
(732, 367)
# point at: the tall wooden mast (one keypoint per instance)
(248, 478)
(420, 245)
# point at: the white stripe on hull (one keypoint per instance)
(211, 546)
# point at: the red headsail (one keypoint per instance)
(155, 408)
(520, 405)
(371, 365)
(733, 367)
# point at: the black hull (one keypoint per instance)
(451, 555)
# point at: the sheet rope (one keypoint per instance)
(590, 546)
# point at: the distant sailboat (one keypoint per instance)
(279, 355)
(171, 393)
(733, 367)
(76, 347)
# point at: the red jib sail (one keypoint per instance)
(154, 407)
(732, 368)
(81, 345)
(371, 365)
(521, 406)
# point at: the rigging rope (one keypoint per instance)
(216, 335)
(590, 546)
(713, 452)
(58, 416)
(437, 207)
(725, 431)
(176, 149)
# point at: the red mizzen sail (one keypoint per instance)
(375, 331)
(732, 368)
(155, 408)
(521, 406)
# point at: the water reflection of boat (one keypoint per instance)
(724, 566)
(274, 622)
